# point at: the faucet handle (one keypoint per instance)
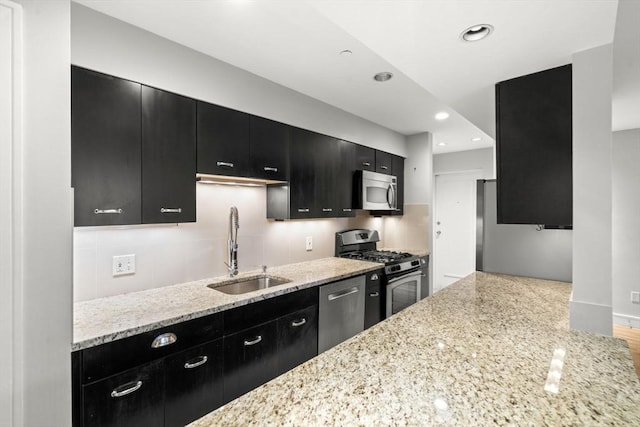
(264, 268)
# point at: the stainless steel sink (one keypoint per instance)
(243, 286)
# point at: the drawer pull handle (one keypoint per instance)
(374, 294)
(367, 164)
(303, 210)
(171, 210)
(346, 209)
(201, 361)
(270, 169)
(226, 164)
(383, 167)
(253, 342)
(128, 389)
(164, 340)
(107, 211)
(342, 293)
(300, 322)
(327, 210)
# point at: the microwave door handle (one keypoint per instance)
(391, 201)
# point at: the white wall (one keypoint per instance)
(481, 159)
(592, 167)
(42, 209)
(418, 169)
(626, 226)
(104, 44)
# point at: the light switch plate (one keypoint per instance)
(124, 264)
(309, 243)
(635, 297)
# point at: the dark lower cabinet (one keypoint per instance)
(373, 299)
(424, 279)
(193, 383)
(250, 359)
(132, 398)
(297, 338)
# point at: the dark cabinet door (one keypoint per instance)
(105, 149)
(250, 359)
(297, 338)
(223, 140)
(365, 158)
(344, 158)
(327, 175)
(424, 282)
(397, 169)
(534, 148)
(373, 299)
(132, 398)
(193, 384)
(302, 186)
(168, 157)
(383, 162)
(269, 149)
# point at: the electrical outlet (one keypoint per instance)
(309, 243)
(635, 297)
(124, 264)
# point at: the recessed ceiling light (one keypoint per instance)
(442, 144)
(442, 115)
(383, 76)
(346, 53)
(476, 139)
(476, 32)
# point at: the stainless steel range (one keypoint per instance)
(401, 284)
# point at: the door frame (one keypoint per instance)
(434, 254)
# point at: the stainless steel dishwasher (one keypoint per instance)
(341, 311)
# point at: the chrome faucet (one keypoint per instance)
(232, 242)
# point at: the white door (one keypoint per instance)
(454, 253)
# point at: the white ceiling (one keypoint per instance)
(296, 43)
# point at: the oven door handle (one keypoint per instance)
(417, 273)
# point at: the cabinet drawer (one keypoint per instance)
(259, 312)
(193, 383)
(132, 398)
(297, 338)
(250, 359)
(110, 358)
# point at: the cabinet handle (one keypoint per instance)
(374, 294)
(190, 365)
(171, 210)
(227, 164)
(130, 388)
(300, 322)
(107, 211)
(346, 209)
(367, 164)
(383, 167)
(253, 342)
(303, 210)
(327, 210)
(270, 169)
(164, 340)
(374, 276)
(342, 293)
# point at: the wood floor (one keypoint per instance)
(632, 335)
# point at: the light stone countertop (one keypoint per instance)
(107, 319)
(477, 353)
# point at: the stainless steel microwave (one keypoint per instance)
(375, 191)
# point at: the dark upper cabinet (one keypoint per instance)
(303, 201)
(168, 157)
(105, 149)
(397, 170)
(344, 159)
(534, 148)
(383, 162)
(223, 140)
(269, 149)
(365, 158)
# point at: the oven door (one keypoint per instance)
(402, 291)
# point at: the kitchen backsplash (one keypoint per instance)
(169, 254)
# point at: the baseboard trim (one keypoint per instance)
(626, 320)
(590, 317)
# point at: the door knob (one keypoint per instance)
(438, 233)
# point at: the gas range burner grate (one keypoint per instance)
(384, 257)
